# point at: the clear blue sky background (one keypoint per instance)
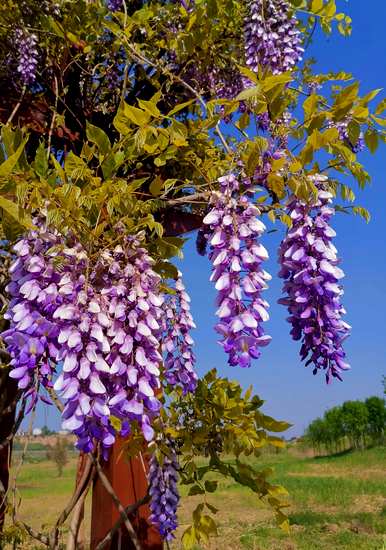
(291, 392)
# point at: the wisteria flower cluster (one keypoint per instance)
(309, 266)
(100, 324)
(233, 231)
(163, 490)
(177, 342)
(272, 39)
(26, 44)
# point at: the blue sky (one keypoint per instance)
(291, 391)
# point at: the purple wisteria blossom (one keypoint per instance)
(26, 45)
(309, 266)
(99, 327)
(177, 342)
(272, 39)
(114, 5)
(234, 230)
(163, 479)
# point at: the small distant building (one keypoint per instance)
(36, 432)
(63, 432)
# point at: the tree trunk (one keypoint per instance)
(8, 392)
(129, 481)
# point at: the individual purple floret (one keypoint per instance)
(27, 55)
(114, 5)
(163, 490)
(309, 266)
(177, 342)
(236, 254)
(272, 39)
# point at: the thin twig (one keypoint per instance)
(80, 488)
(109, 488)
(55, 399)
(16, 426)
(76, 520)
(14, 488)
(53, 117)
(17, 106)
(34, 534)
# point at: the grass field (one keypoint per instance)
(335, 503)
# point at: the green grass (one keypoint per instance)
(336, 503)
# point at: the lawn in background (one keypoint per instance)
(335, 502)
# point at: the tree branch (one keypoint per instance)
(76, 520)
(128, 510)
(107, 485)
(80, 489)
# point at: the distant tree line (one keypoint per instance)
(355, 424)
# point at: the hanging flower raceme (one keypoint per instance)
(272, 39)
(113, 372)
(26, 44)
(163, 490)
(309, 266)
(233, 231)
(34, 296)
(101, 327)
(177, 342)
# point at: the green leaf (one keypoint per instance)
(379, 120)
(166, 270)
(381, 107)
(150, 107)
(59, 169)
(135, 115)
(345, 101)
(189, 538)
(212, 508)
(211, 486)
(354, 131)
(40, 164)
(371, 140)
(310, 106)
(156, 187)
(99, 137)
(371, 95)
(208, 525)
(75, 167)
(251, 75)
(116, 423)
(196, 490)
(250, 93)
(7, 166)
(12, 228)
(363, 212)
(180, 107)
(15, 212)
(276, 81)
